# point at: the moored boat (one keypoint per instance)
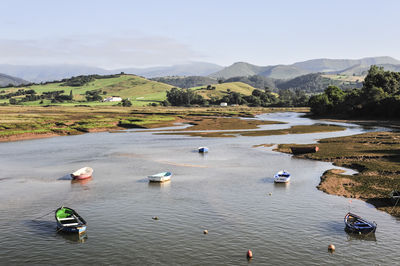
(83, 173)
(282, 177)
(203, 149)
(160, 177)
(302, 150)
(69, 221)
(356, 224)
(395, 196)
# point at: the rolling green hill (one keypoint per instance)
(223, 89)
(140, 91)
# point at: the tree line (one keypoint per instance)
(378, 97)
(264, 98)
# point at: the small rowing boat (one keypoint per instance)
(160, 177)
(356, 224)
(203, 149)
(282, 177)
(83, 173)
(69, 221)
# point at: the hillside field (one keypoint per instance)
(222, 89)
(140, 91)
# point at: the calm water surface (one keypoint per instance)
(229, 191)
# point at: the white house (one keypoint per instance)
(224, 104)
(113, 99)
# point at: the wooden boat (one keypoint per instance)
(356, 224)
(69, 221)
(160, 177)
(282, 177)
(302, 150)
(203, 149)
(83, 173)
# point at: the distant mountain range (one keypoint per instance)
(57, 72)
(239, 69)
(6, 80)
(331, 66)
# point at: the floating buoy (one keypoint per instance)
(331, 248)
(205, 232)
(249, 254)
(155, 218)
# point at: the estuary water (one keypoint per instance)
(229, 191)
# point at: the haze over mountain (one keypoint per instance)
(189, 69)
(6, 80)
(41, 73)
(239, 69)
(306, 67)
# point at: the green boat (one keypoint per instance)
(69, 221)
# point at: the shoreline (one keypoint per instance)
(375, 155)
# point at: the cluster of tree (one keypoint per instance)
(84, 79)
(379, 96)
(30, 95)
(93, 95)
(184, 97)
(264, 98)
(17, 93)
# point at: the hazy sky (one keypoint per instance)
(118, 33)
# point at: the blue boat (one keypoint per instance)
(203, 149)
(358, 225)
(69, 221)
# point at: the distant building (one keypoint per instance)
(224, 104)
(113, 99)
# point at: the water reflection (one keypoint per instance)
(78, 238)
(82, 182)
(158, 185)
(360, 237)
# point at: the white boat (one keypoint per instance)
(282, 177)
(83, 173)
(160, 177)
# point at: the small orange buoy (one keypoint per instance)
(249, 254)
(331, 248)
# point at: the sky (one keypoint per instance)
(119, 33)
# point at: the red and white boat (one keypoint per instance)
(83, 173)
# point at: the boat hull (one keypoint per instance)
(72, 229)
(161, 177)
(158, 179)
(80, 177)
